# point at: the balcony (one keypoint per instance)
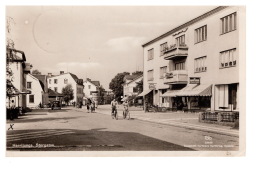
(174, 51)
(176, 77)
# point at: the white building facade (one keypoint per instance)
(35, 98)
(56, 83)
(197, 63)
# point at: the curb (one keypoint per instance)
(192, 126)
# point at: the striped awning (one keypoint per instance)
(190, 90)
(198, 90)
(170, 93)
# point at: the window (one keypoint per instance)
(201, 34)
(163, 47)
(150, 75)
(228, 23)
(29, 85)
(89, 87)
(55, 81)
(55, 89)
(200, 64)
(179, 66)
(31, 98)
(65, 81)
(150, 54)
(49, 81)
(163, 70)
(180, 40)
(228, 58)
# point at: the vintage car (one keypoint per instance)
(55, 105)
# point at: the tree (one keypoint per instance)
(36, 72)
(68, 94)
(9, 57)
(116, 84)
(138, 73)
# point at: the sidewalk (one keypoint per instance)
(179, 119)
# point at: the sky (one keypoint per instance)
(95, 42)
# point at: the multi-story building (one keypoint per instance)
(19, 69)
(57, 82)
(197, 63)
(91, 90)
(35, 98)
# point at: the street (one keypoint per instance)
(70, 129)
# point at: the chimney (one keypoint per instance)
(61, 72)
(49, 74)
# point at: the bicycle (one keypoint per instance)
(126, 114)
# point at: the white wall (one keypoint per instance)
(36, 90)
(87, 91)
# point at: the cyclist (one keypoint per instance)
(126, 105)
(114, 105)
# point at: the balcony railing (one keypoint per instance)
(176, 77)
(174, 51)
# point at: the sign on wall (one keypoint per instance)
(194, 80)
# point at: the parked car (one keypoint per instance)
(55, 105)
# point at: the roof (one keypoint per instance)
(97, 83)
(54, 94)
(15, 56)
(130, 77)
(203, 16)
(138, 77)
(76, 79)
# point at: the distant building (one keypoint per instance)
(91, 90)
(57, 82)
(197, 63)
(20, 69)
(43, 81)
(130, 83)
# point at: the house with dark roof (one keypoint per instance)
(57, 82)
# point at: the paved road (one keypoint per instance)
(68, 129)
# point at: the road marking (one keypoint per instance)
(37, 135)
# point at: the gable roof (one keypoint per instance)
(97, 83)
(138, 77)
(130, 77)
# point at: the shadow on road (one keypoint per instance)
(27, 119)
(89, 140)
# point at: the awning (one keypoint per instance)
(197, 90)
(162, 86)
(145, 92)
(170, 93)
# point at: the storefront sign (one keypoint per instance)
(194, 80)
(151, 86)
